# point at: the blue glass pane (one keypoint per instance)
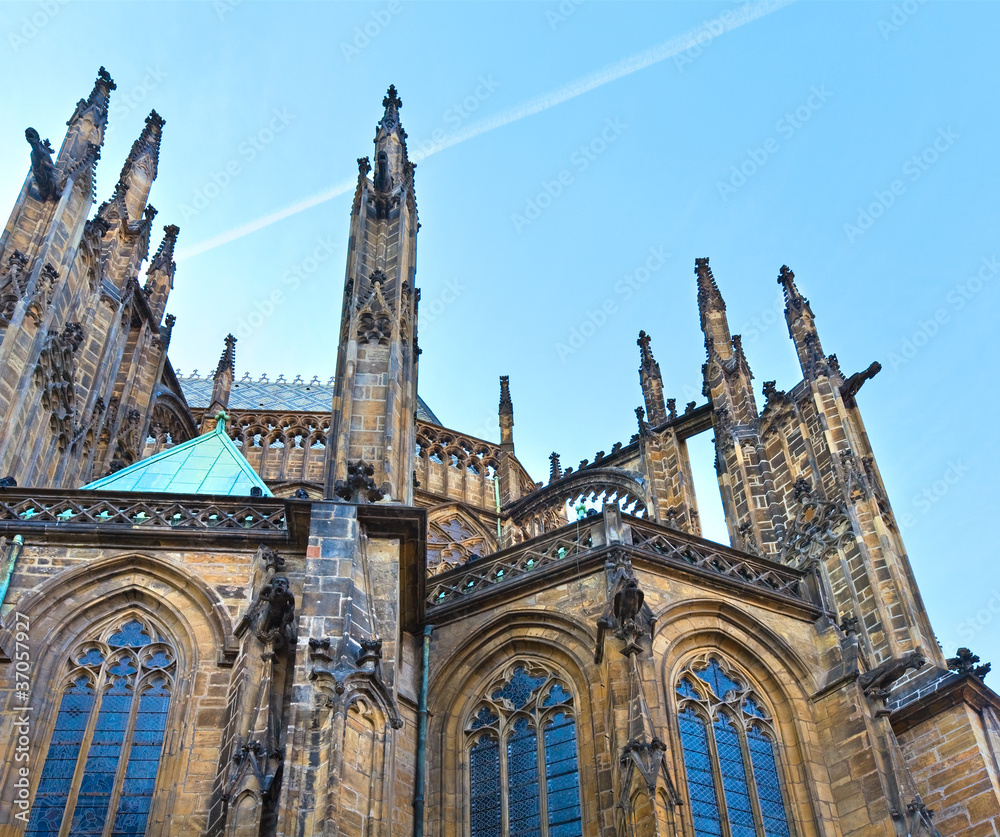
(91, 808)
(92, 658)
(751, 707)
(60, 762)
(158, 660)
(522, 780)
(484, 776)
(734, 779)
(700, 776)
(143, 761)
(686, 689)
(556, 696)
(765, 772)
(519, 688)
(122, 667)
(562, 778)
(484, 718)
(719, 681)
(132, 635)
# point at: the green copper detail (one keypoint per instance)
(207, 464)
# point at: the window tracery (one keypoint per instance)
(729, 746)
(451, 542)
(523, 773)
(104, 754)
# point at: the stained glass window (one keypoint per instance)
(522, 780)
(728, 743)
(101, 765)
(523, 774)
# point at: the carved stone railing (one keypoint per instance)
(22, 510)
(587, 541)
(677, 547)
(544, 509)
(461, 467)
(557, 547)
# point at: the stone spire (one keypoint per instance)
(508, 473)
(227, 362)
(555, 469)
(392, 165)
(86, 126)
(506, 414)
(749, 500)
(727, 374)
(160, 273)
(711, 307)
(375, 425)
(652, 383)
(139, 170)
(222, 381)
(801, 325)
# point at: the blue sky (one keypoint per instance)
(591, 143)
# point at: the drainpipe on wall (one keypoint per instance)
(496, 493)
(418, 779)
(7, 571)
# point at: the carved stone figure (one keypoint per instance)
(42, 168)
(359, 487)
(621, 615)
(272, 614)
(854, 383)
(383, 180)
(878, 682)
(964, 662)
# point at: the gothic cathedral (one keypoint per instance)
(251, 608)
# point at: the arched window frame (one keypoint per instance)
(493, 716)
(746, 710)
(155, 664)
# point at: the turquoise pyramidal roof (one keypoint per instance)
(207, 464)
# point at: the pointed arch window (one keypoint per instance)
(522, 760)
(729, 745)
(103, 757)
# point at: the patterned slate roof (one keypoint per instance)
(280, 395)
(207, 464)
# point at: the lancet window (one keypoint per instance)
(104, 754)
(730, 755)
(523, 777)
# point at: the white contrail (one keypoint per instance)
(641, 60)
(265, 221)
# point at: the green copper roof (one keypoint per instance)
(208, 464)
